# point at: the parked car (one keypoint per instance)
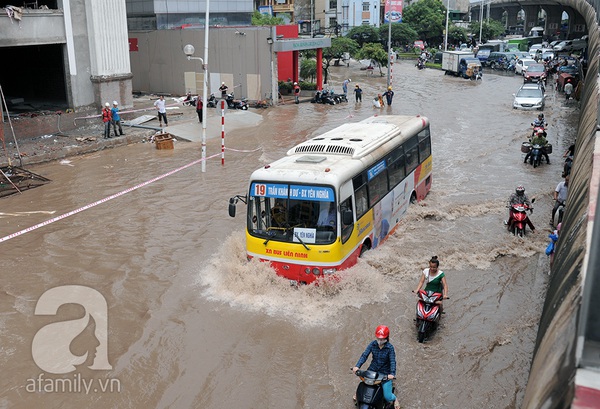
(522, 64)
(535, 73)
(529, 97)
(419, 44)
(437, 58)
(483, 55)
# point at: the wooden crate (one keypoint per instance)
(164, 141)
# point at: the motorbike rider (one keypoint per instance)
(434, 278)
(519, 197)
(539, 140)
(383, 361)
(539, 122)
(560, 196)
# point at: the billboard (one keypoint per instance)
(393, 11)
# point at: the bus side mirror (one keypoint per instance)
(347, 217)
(232, 202)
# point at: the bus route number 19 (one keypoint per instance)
(260, 190)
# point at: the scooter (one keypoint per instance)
(233, 103)
(558, 215)
(212, 101)
(420, 64)
(429, 312)
(519, 218)
(323, 97)
(369, 393)
(190, 100)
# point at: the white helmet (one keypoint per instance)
(115, 103)
(107, 104)
(295, 83)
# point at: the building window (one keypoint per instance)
(366, 6)
(366, 23)
(332, 22)
(333, 4)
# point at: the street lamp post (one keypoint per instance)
(480, 20)
(447, 18)
(189, 51)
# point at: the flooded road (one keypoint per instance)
(191, 324)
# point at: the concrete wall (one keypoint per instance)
(552, 380)
(240, 57)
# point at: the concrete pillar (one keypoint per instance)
(553, 22)
(109, 51)
(511, 15)
(577, 26)
(531, 18)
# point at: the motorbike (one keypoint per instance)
(429, 312)
(537, 151)
(233, 103)
(190, 100)
(323, 97)
(369, 393)
(519, 218)
(558, 215)
(212, 101)
(420, 63)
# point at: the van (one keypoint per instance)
(483, 55)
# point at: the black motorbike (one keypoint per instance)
(233, 103)
(212, 101)
(537, 152)
(323, 97)
(567, 166)
(420, 63)
(369, 393)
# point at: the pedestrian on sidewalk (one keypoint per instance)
(107, 119)
(160, 104)
(223, 88)
(296, 93)
(199, 106)
(358, 93)
(116, 119)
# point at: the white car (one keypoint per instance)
(530, 96)
(522, 64)
(534, 50)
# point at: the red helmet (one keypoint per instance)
(382, 332)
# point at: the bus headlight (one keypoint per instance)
(329, 270)
(316, 271)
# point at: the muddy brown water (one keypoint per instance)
(192, 324)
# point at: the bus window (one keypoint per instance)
(396, 169)
(378, 187)
(411, 149)
(278, 213)
(424, 145)
(346, 206)
(362, 204)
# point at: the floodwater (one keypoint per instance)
(191, 324)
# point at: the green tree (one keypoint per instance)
(308, 69)
(259, 19)
(339, 46)
(457, 35)
(489, 30)
(374, 52)
(401, 34)
(363, 34)
(427, 18)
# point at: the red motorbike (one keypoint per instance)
(518, 219)
(429, 311)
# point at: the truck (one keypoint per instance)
(451, 61)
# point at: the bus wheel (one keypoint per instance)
(413, 198)
(364, 248)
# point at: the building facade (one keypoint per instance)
(181, 14)
(65, 53)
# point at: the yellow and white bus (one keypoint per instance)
(316, 210)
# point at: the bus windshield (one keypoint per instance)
(292, 213)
